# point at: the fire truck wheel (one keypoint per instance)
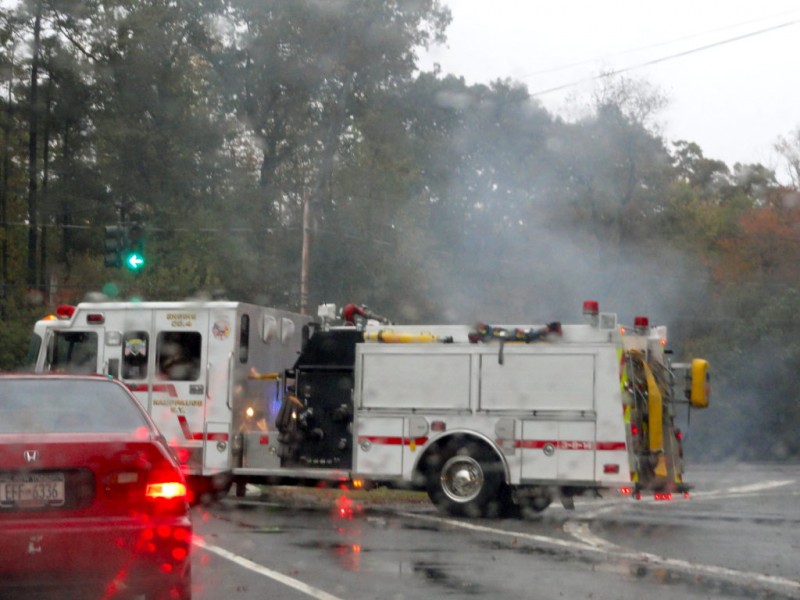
(466, 480)
(534, 504)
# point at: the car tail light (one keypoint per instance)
(167, 490)
(152, 491)
(166, 493)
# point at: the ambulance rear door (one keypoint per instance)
(179, 380)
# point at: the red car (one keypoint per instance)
(91, 497)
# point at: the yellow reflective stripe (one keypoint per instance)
(623, 371)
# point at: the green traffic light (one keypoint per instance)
(134, 261)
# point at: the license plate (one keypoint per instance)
(32, 490)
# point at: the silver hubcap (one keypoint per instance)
(462, 478)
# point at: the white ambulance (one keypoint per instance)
(187, 362)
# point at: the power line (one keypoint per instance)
(666, 58)
(652, 46)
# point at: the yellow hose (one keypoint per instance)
(388, 336)
(655, 409)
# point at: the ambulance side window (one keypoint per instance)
(33, 351)
(178, 355)
(135, 350)
(244, 339)
(72, 352)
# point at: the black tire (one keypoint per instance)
(207, 490)
(466, 480)
(533, 505)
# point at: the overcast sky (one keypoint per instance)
(732, 98)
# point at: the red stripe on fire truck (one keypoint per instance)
(392, 441)
(189, 435)
(570, 445)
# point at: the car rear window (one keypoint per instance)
(67, 406)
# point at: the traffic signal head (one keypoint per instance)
(134, 248)
(114, 244)
(124, 247)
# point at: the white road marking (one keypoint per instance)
(781, 585)
(262, 570)
(589, 542)
(581, 531)
(745, 490)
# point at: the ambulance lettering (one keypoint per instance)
(181, 319)
(177, 405)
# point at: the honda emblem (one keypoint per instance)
(31, 455)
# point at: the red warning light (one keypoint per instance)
(591, 307)
(65, 311)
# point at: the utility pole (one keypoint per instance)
(306, 251)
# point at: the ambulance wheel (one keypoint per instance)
(466, 480)
(206, 490)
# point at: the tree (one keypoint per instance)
(614, 168)
(300, 74)
(789, 148)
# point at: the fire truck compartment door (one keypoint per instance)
(397, 380)
(379, 448)
(539, 450)
(537, 381)
(558, 450)
(216, 447)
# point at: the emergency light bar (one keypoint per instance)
(65, 311)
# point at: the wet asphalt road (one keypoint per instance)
(737, 537)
